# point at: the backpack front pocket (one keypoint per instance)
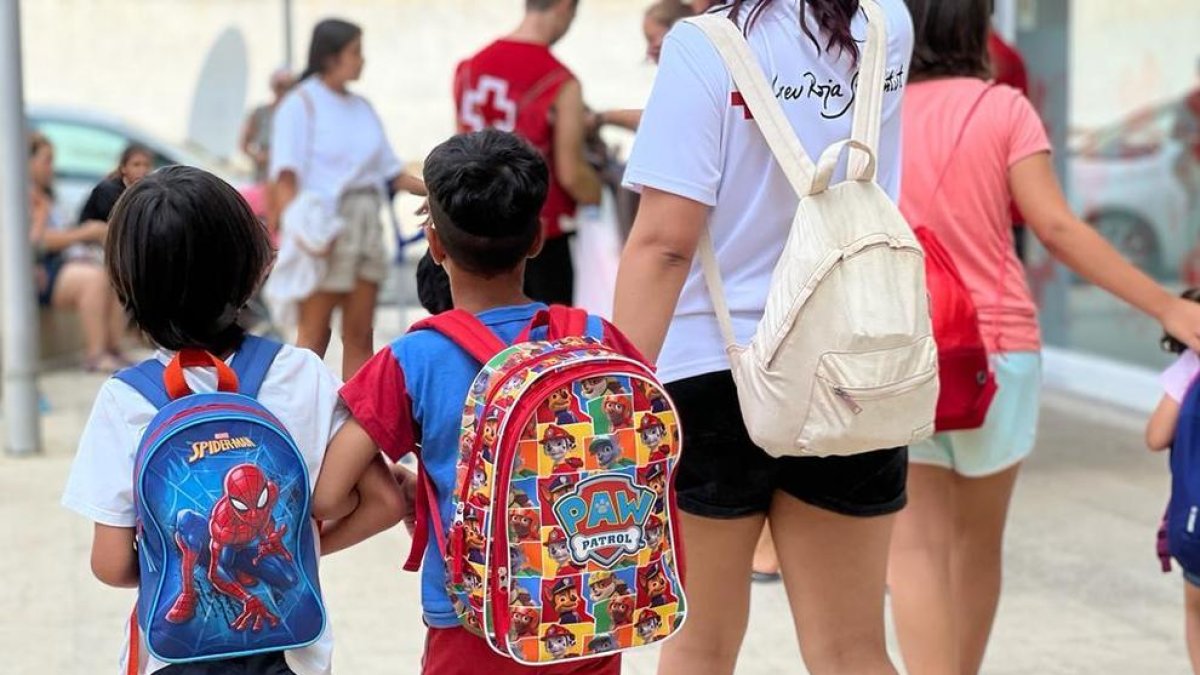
(870, 400)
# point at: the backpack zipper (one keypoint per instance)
(1191, 524)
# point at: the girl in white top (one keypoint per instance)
(329, 141)
(700, 161)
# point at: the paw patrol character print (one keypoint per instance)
(655, 398)
(594, 387)
(655, 478)
(466, 444)
(618, 412)
(525, 622)
(559, 642)
(474, 585)
(519, 562)
(559, 403)
(556, 444)
(480, 496)
(523, 526)
(523, 598)
(560, 552)
(555, 489)
(491, 434)
(473, 537)
(603, 586)
(653, 586)
(601, 644)
(519, 499)
(607, 453)
(654, 534)
(620, 610)
(653, 433)
(564, 601)
(648, 625)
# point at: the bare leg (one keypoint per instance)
(358, 327)
(718, 589)
(919, 573)
(118, 325)
(84, 288)
(834, 568)
(1191, 595)
(981, 509)
(316, 316)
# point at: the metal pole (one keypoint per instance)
(19, 325)
(287, 35)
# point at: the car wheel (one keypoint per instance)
(1133, 237)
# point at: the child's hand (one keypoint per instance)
(407, 481)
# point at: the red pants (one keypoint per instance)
(454, 651)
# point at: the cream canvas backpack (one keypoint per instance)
(844, 360)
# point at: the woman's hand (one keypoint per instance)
(93, 231)
(1181, 318)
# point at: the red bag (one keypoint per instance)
(964, 372)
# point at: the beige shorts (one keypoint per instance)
(358, 253)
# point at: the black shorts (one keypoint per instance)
(723, 474)
(258, 664)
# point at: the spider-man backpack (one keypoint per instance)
(564, 543)
(225, 539)
(1182, 523)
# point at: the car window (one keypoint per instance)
(1140, 135)
(82, 151)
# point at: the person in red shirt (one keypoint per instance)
(516, 84)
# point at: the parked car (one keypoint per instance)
(88, 145)
(1124, 179)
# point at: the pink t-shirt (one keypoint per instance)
(1179, 377)
(970, 213)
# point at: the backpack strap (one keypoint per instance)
(465, 330)
(252, 361)
(146, 378)
(868, 92)
(426, 510)
(559, 321)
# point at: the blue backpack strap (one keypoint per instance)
(252, 361)
(146, 378)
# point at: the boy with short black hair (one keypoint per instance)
(486, 190)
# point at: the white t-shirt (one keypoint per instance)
(298, 389)
(341, 146)
(695, 142)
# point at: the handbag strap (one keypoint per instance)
(311, 127)
(962, 131)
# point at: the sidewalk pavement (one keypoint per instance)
(1083, 591)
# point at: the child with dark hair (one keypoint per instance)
(185, 253)
(136, 161)
(433, 286)
(486, 190)
(1160, 435)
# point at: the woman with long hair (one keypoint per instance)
(971, 148)
(329, 141)
(136, 161)
(701, 162)
(68, 277)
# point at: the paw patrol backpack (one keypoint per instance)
(564, 543)
(226, 553)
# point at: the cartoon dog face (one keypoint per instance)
(557, 448)
(559, 551)
(647, 629)
(524, 622)
(560, 645)
(617, 411)
(654, 535)
(593, 387)
(601, 643)
(602, 589)
(653, 436)
(522, 526)
(605, 450)
(565, 600)
(559, 400)
(621, 611)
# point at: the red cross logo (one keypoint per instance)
(736, 100)
(487, 106)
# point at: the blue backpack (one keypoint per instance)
(225, 542)
(1183, 513)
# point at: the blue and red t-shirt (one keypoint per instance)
(412, 392)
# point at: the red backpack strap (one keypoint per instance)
(426, 510)
(559, 321)
(465, 330)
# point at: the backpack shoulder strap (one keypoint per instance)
(465, 330)
(146, 378)
(559, 321)
(755, 91)
(252, 361)
(868, 92)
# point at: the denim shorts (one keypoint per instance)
(723, 474)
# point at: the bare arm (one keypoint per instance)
(114, 560)
(350, 453)
(1160, 430)
(406, 182)
(570, 130)
(658, 256)
(249, 131)
(626, 119)
(284, 189)
(384, 502)
(1039, 197)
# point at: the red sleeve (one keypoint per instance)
(378, 400)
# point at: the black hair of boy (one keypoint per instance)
(433, 286)
(1170, 344)
(185, 254)
(486, 191)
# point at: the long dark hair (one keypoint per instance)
(950, 39)
(833, 17)
(329, 38)
(130, 151)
